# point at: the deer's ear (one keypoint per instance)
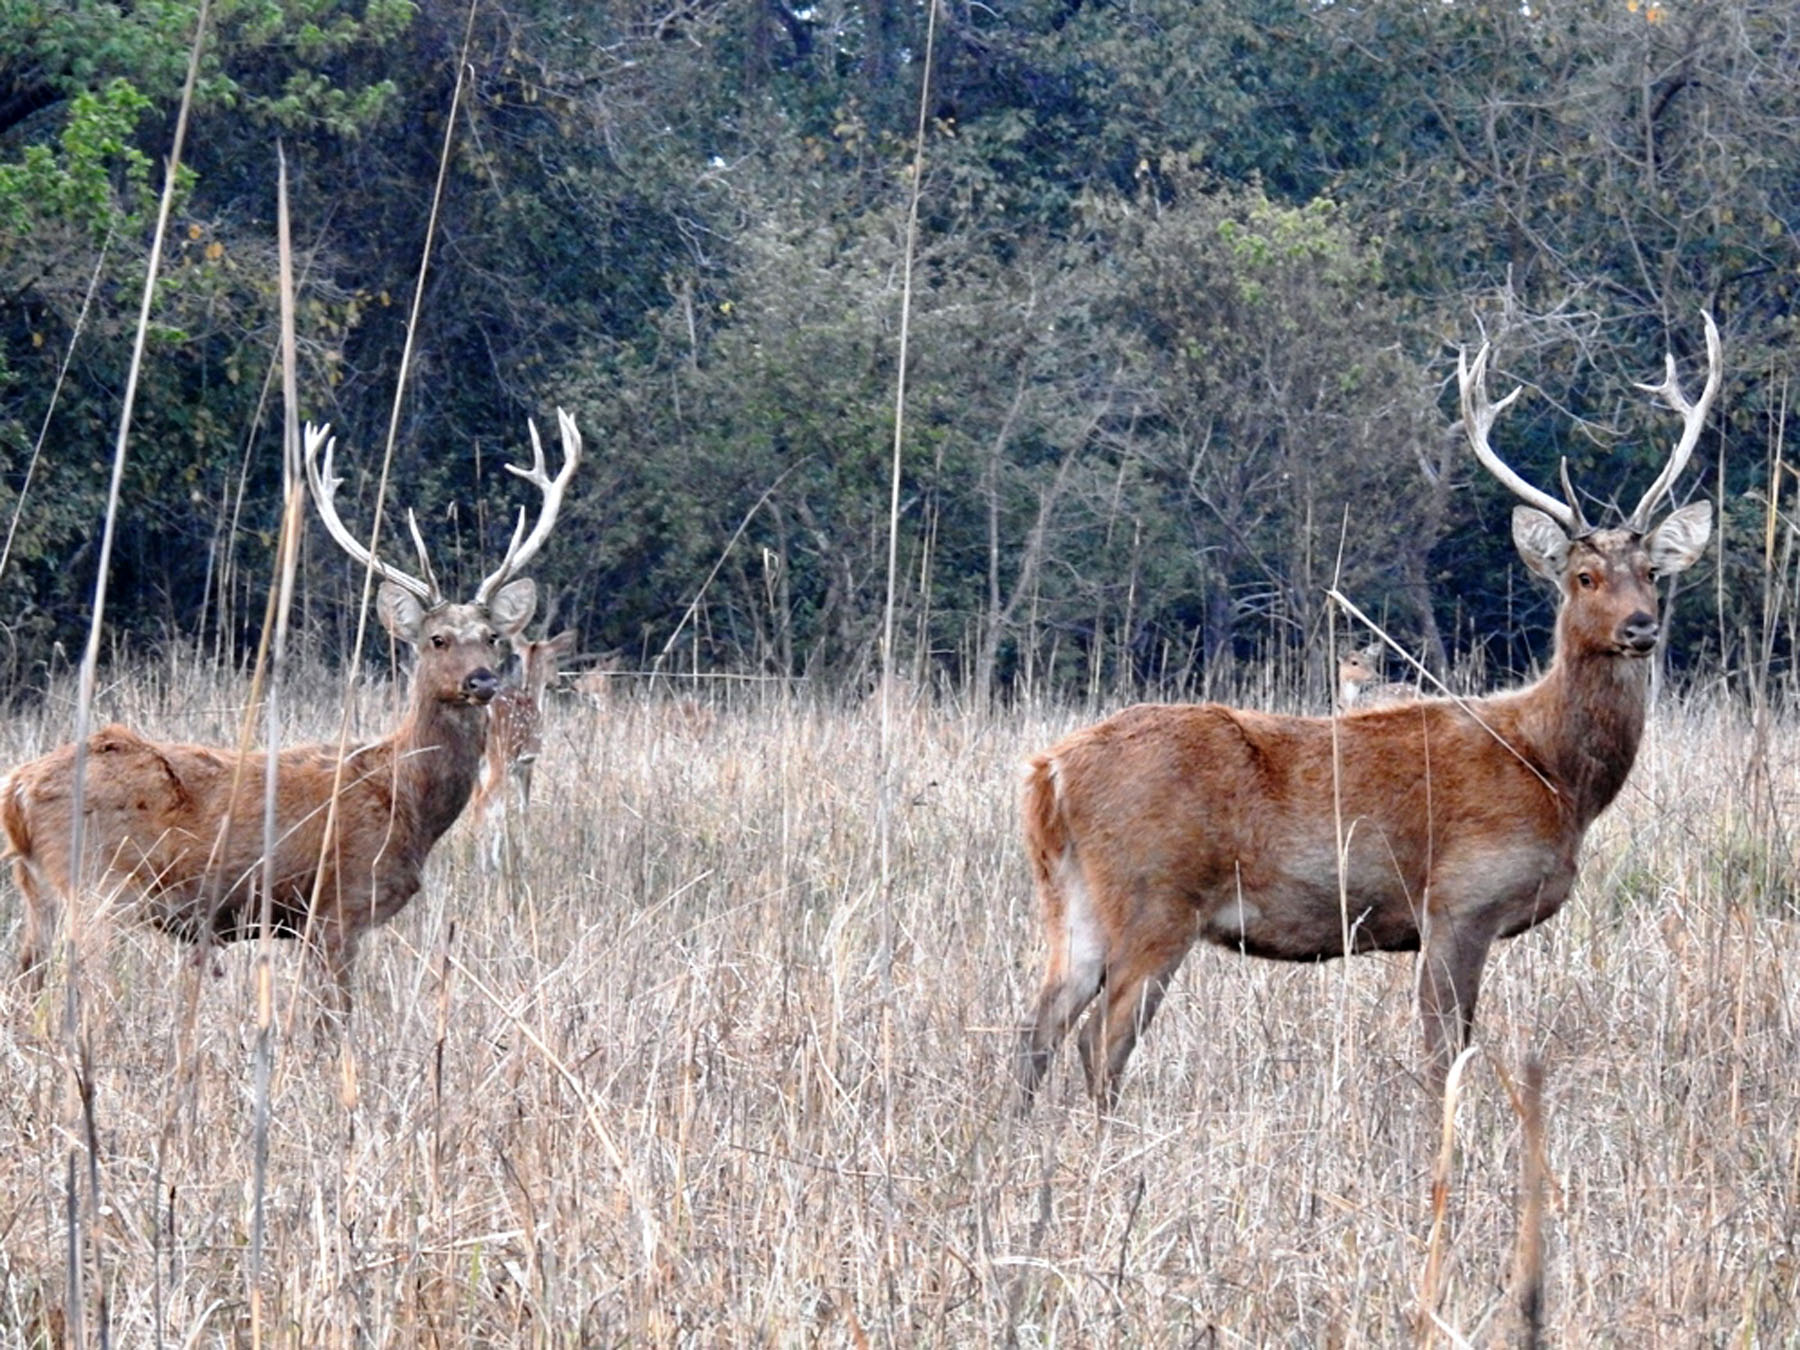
(401, 612)
(1676, 543)
(512, 605)
(1542, 543)
(563, 643)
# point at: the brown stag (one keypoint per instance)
(177, 830)
(515, 740)
(1435, 826)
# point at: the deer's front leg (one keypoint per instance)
(1451, 955)
(334, 952)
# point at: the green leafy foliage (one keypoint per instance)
(92, 177)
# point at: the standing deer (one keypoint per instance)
(179, 829)
(515, 740)
(1435, 826)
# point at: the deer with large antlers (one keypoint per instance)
(176, 831)
(1435, 826)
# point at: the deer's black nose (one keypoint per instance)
(1638, 633)
(480, 685)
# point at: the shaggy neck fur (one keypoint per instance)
(1585, 721)
(437, 754)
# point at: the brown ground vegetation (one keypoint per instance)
(660, 1085)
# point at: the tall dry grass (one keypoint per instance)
(657, 1086)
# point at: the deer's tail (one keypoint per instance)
(1046, 832)
(13, 819)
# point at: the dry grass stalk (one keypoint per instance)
(1528, 1254)
(1430, 1323)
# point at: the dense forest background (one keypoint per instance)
(1190, 284)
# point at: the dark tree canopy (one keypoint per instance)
(1189, 288)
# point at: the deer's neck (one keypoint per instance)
(1586, 719)
(437, 756)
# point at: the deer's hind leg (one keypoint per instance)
(1138, 972)
(1072, 975)
(41, 914)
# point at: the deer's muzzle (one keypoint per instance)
(1637, 635)
(479, 686)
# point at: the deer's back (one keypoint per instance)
(172, 816)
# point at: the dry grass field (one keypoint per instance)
(708, 1069)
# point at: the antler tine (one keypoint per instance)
(324, 486)
(1693, 421)
(412, 524)
(524, 547)
(1581, 520)
(1478, 420)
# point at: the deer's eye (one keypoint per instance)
(439, 641)
(493, 639)
(1585, 580)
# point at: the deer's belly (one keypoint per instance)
(1306, 905)
(1303, 922)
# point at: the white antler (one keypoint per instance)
(523, 547)
(1478, 420)
(324, 489)
(1693, 420)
